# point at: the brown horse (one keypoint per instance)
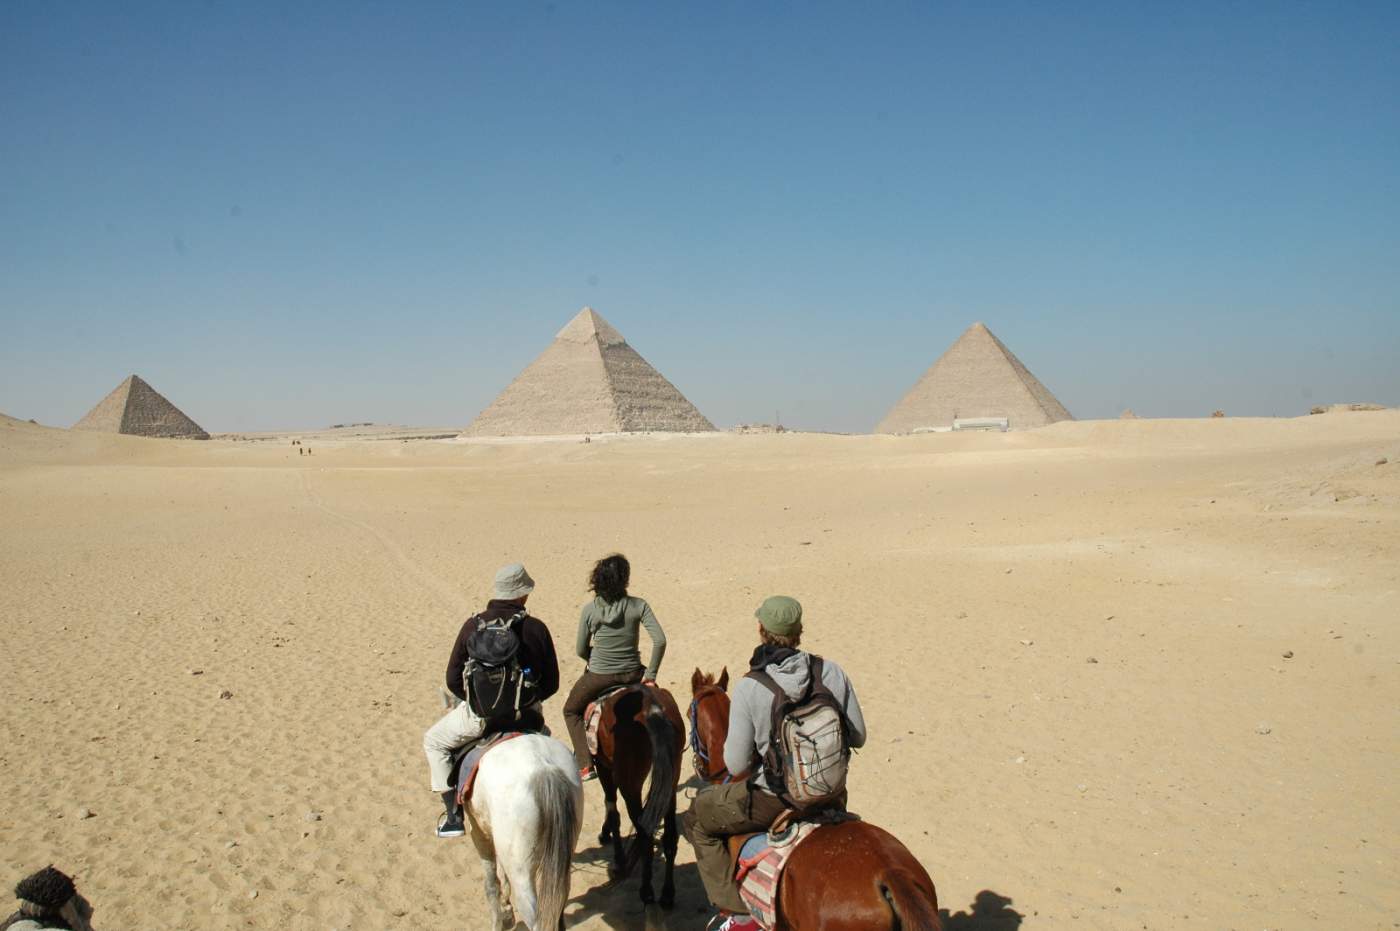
(640, 736)
(850, 876)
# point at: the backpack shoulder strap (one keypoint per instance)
(765, 680)
(816, 666)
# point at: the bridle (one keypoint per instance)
(701, 759)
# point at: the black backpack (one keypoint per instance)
(493, 679)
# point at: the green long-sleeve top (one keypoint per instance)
(608, 636)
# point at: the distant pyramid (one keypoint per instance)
(588, 381)
(136, 408)
(977, 377)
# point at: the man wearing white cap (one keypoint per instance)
(534, 657)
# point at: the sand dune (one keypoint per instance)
(1070, 645)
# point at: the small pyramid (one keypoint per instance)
(137, 409)
(1128, 415)
(588, 381)
(977, 377)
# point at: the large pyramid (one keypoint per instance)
(977, 377)
(136, 408)
(588, 381)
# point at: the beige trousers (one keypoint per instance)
(455, 730)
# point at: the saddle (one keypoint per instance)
(758, 859)
(471, 760)
(593, 714)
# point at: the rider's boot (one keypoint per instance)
(452, 823)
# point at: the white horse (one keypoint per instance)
(525, 813)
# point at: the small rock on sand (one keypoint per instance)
(1263, 729)
(313, 816)
(196, 672)
(225, 694)
(82, 814)
(1287, 654)
(1091, 660)
(253, 894)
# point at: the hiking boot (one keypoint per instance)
(588, 774)
(450, 824)
(728, 922)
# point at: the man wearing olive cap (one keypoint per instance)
(461, 725)
(753, 805)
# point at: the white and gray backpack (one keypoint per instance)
(808, 751)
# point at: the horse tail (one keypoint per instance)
(550, 861)
(911, 907)
(661, 793)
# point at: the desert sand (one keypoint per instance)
(1124, 674)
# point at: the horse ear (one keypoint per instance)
(697, 679)
(723, 682)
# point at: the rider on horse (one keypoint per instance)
(608, 634)
(753, 805)
(462, 725)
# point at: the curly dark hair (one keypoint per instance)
(48, 888)
(609, 578)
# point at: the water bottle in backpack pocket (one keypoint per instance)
(493, 679)
(808, 748)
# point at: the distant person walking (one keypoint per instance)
(609, 630)
(48, 899)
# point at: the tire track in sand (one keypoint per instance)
(436, 586)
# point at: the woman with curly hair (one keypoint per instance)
(609, 629)
(48, 899)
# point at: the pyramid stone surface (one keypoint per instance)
(588, 381)
(136, 408)
(977, 377)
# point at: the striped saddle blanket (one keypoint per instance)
(759, 867)
(593, 714)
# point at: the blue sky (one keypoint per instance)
(291, 215)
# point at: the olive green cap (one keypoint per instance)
(780, 615)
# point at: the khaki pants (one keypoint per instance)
(717, 813)
(455, 730)
(588, 687)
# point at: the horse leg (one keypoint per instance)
(669, 842)
(632, 798)
(523, 895)
(612, 821)
(500, 919)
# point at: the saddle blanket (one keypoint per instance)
(762, 858)
(593, 714)
(466, 772)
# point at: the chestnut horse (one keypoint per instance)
(641, 735)
(847, 876)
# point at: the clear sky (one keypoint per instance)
(292, 215)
